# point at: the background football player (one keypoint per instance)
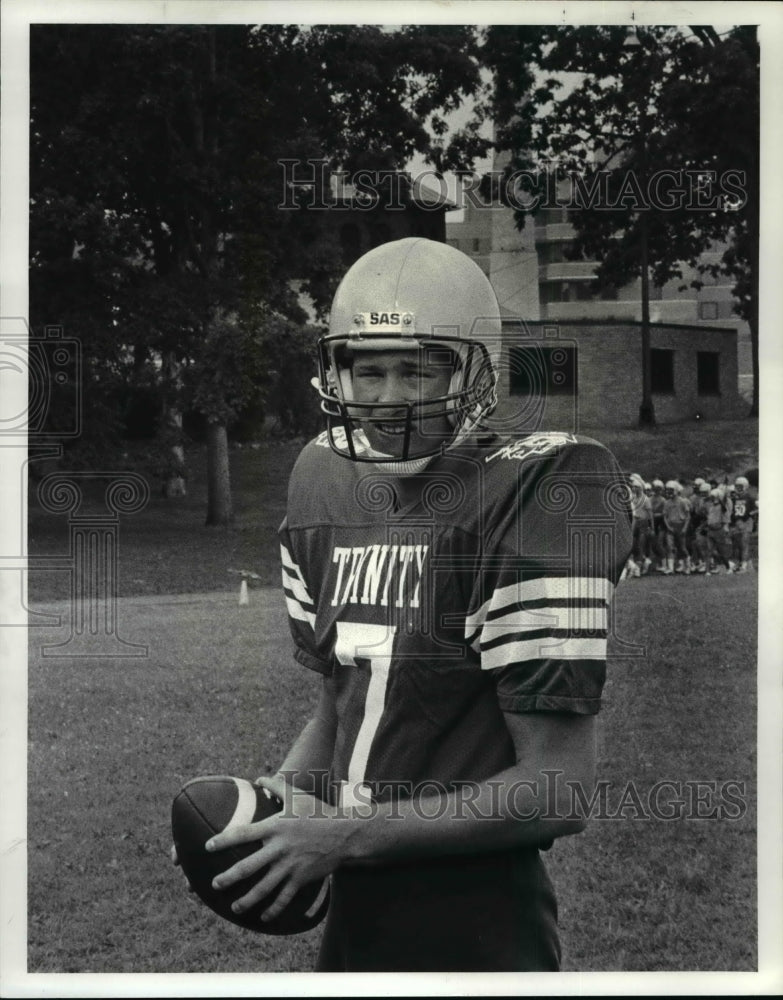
(676, 517)
(443, 588)
(718, 517)
(741, 522)
(698, 542)
(658, 541)
(642, 526)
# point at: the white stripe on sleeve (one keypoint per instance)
(289, 564)
(547, 648)
(295, 610)
(570, 588)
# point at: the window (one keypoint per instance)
(662, 371)
(553, 253)
(708, 310)
(555, 291)
(549, 370)
(708, 373)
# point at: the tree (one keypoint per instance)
(657, 132)
(155, 186)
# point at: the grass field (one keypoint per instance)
(112, 740)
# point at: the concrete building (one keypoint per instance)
(700, 348)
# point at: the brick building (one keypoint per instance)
(577, 374)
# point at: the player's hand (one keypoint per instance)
(302, 843)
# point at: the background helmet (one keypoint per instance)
(672, 486)
(741, 484)
(716, 494)
(704, 488)
(407, 295)
(657, 484)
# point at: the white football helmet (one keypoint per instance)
(741, 484)
(411, 294)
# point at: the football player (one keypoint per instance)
(699, 543)
(741, 524)
(658, 541)
(445, 588)
(639, 562)
(676, 518)
(718, 517)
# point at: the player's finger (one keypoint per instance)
(239, 835)
(284, 897)
(243, 869)
(261, 890)
(274, 784)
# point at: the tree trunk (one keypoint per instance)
(219, 507)
(174, 479)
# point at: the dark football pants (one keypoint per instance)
(472, 914)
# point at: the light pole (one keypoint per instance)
(646, 408)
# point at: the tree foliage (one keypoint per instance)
(156, 232)
(655, 129)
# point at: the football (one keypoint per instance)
(209, 805)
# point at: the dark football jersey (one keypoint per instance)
(699, 504)
(489, 592)
(656, 502)
(743, 509)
